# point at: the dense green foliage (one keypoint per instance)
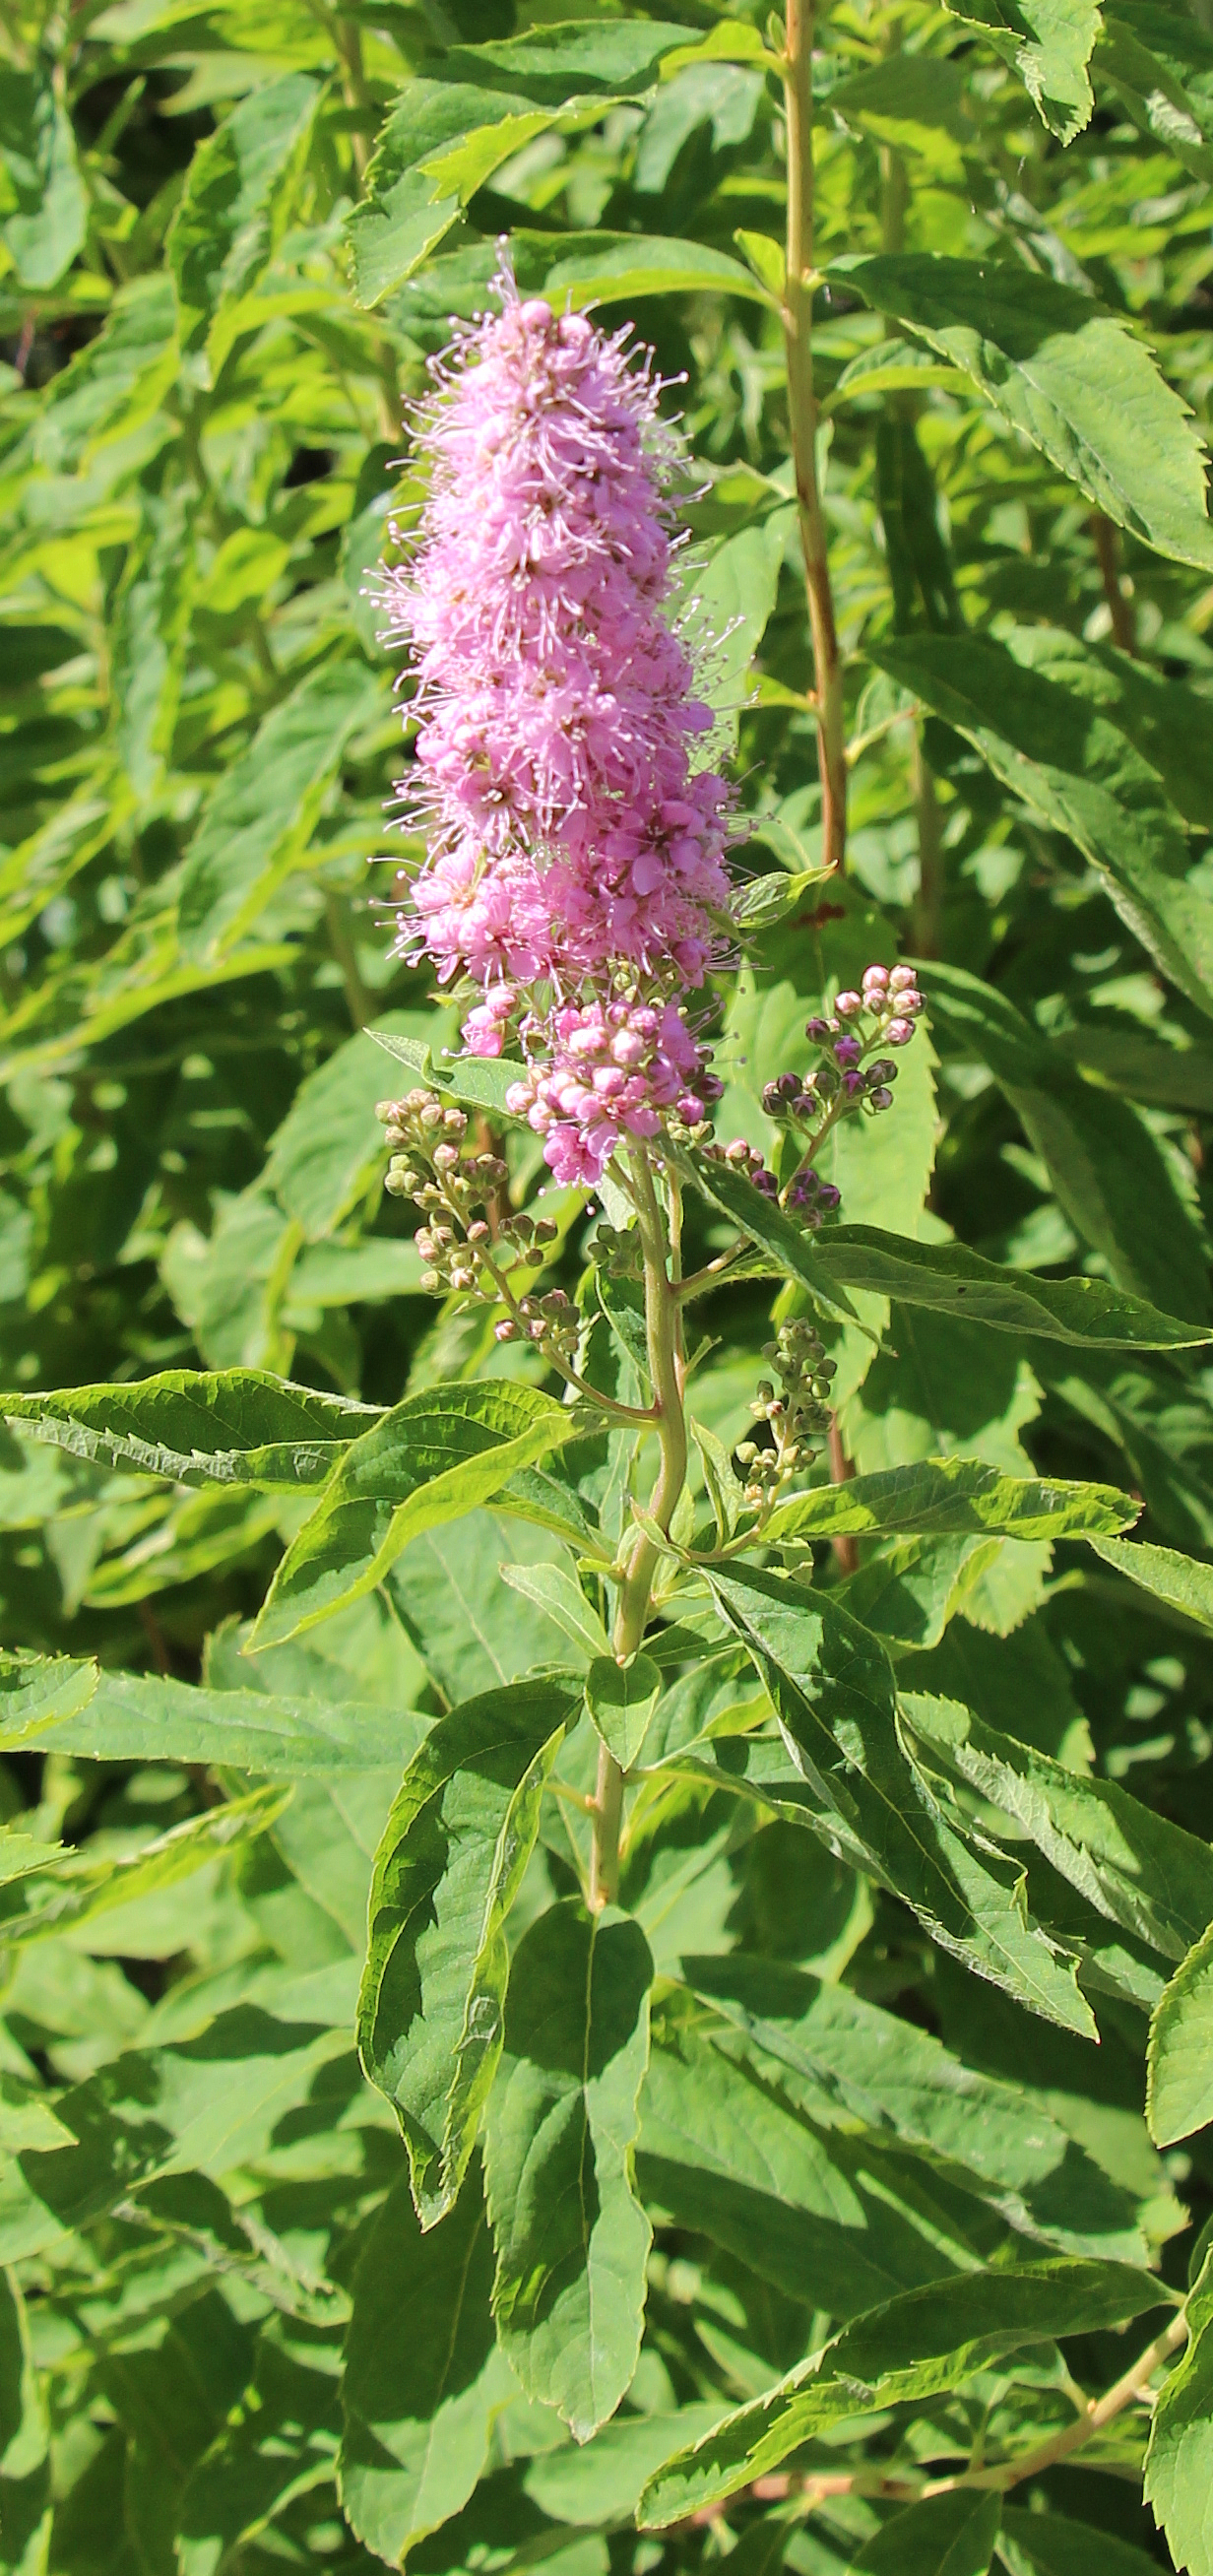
(363, 2194)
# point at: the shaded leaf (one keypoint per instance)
(1063, 373)
(433, 1458)
(1179, 2089)
(571, 2238)
(447, 1871)
(915, 2347)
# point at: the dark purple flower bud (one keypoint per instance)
(780, 1094)
(854, 1084)
(881, 1098)
(709, 1087)
(881, 1070)
(899, 1033)
(828, 1197)
(818, 1030)
(826, 1081)
(847, 1050)
(766, 1182)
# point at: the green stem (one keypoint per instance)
(798, 337)
(663, 1333)
(932, 874)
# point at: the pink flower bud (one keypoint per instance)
(899, 1032)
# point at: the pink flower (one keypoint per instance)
(572, 846)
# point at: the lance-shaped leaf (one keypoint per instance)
(260, 816)
(1132, 1865)
(45, 204)
(1051, 48)
(572, 2240)
(832, 1686)
(1179, 1581)
(230, 1426)
(1063, 373)
(147, 1717)
(1065, 733)
(897, 2079)
(1159, 60)
(832, 2221)
(915, 2347)
(433, 1458)
(945, 1276)
(1107, 1169)
(422, 2379)
(1049, 2544)
(237, 200)
(622, 1702)
(1179, 2086)
(945, 2535)
(1179, 2460)
(447, 1871)
(947, 1497)
(96, 1887)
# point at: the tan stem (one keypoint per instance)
(798, 336)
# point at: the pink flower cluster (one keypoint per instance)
(571, 846)
(613, 1070)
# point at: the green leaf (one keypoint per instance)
(1108, 1172)
(1050, 43)
(259, 818)
(134, 1717)
(44, 218)
(444, 141)
(881, 2070)
(209, 2102)
(946, 1276)
(99, 1886)
(232, 1426)
(1132, 1865)
(237, 201)
(1049, 2544)
(1180, 1581)
(941, 1497)
(947, 2535)
(727, 2152)
(913, 2348)
(559, 1596)
(1179, 2086)
(547, 63)
(1179, 2459)
(1160, 63)
(422, 2378)
(832, 1686)
(574, 270)
(572, 2241)
(25, 2468)
(622, 1702)
(447, 1871)
(1063, 373)
(729, 599)
(430, 1460)
(1040, 712)
(329, 1145)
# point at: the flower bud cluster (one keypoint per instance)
(849, 1075)
(464, 1254)
(798, 1417)
(613, 1070)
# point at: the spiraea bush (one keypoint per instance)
(606, 1500)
